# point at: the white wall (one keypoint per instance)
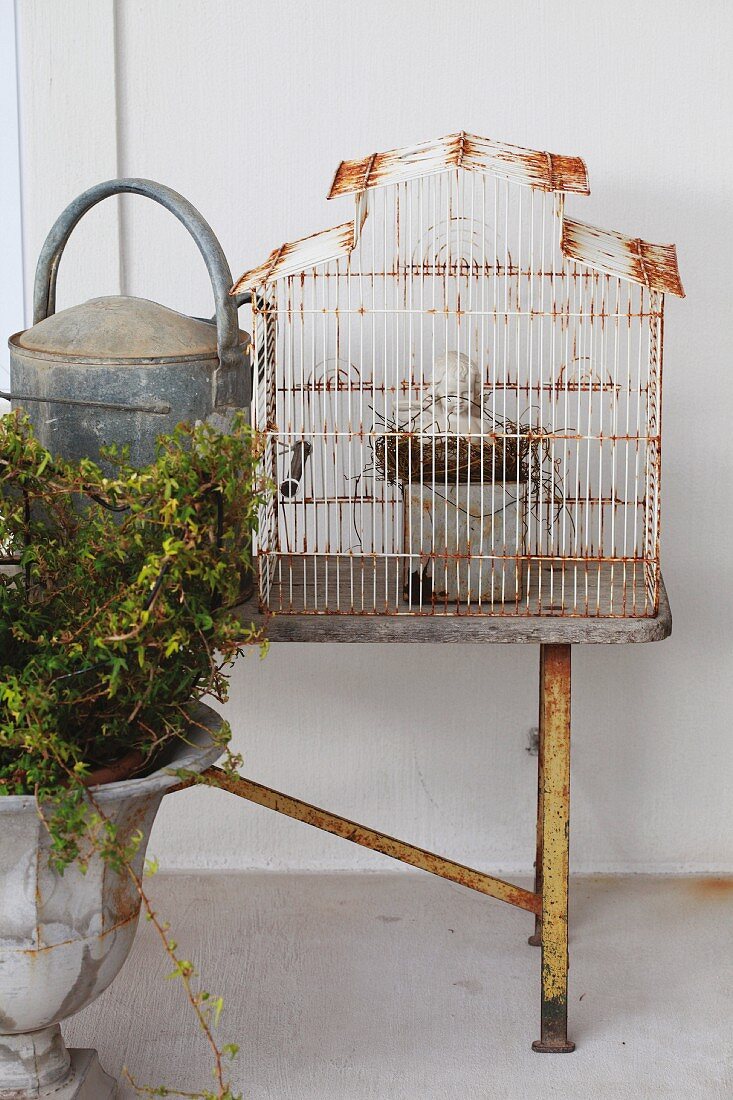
(247, 108)
(11, 268)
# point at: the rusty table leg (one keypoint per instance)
(553, 845)
(536, 939)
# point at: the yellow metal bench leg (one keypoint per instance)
(536, 939)
(553, 836)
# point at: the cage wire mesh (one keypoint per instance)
(460, 397)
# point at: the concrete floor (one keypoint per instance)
(403, 987)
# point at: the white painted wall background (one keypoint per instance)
(11, 268)
(247, 108)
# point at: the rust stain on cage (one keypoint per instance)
(653, 265)
(291, 258)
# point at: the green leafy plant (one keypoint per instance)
(115, 620)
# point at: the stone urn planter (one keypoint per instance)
(63, 938)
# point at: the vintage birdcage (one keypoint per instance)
(460, 395)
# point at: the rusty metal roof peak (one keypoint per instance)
(546, 171)
(653, 265)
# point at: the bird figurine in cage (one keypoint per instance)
(460, 392)
(448, 505)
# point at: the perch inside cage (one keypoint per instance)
(460, 395)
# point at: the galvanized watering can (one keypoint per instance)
(124, 370)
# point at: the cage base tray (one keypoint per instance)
(291, 617)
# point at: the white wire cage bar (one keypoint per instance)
(460, 397)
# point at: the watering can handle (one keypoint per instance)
(232, 380)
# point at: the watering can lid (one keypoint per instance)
(120, 329)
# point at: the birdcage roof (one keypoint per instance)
(289, 259)
(654, 265)
(547, 171)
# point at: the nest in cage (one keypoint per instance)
(403, 456)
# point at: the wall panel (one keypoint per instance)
(247, 109)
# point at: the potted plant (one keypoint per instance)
(115, 623)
